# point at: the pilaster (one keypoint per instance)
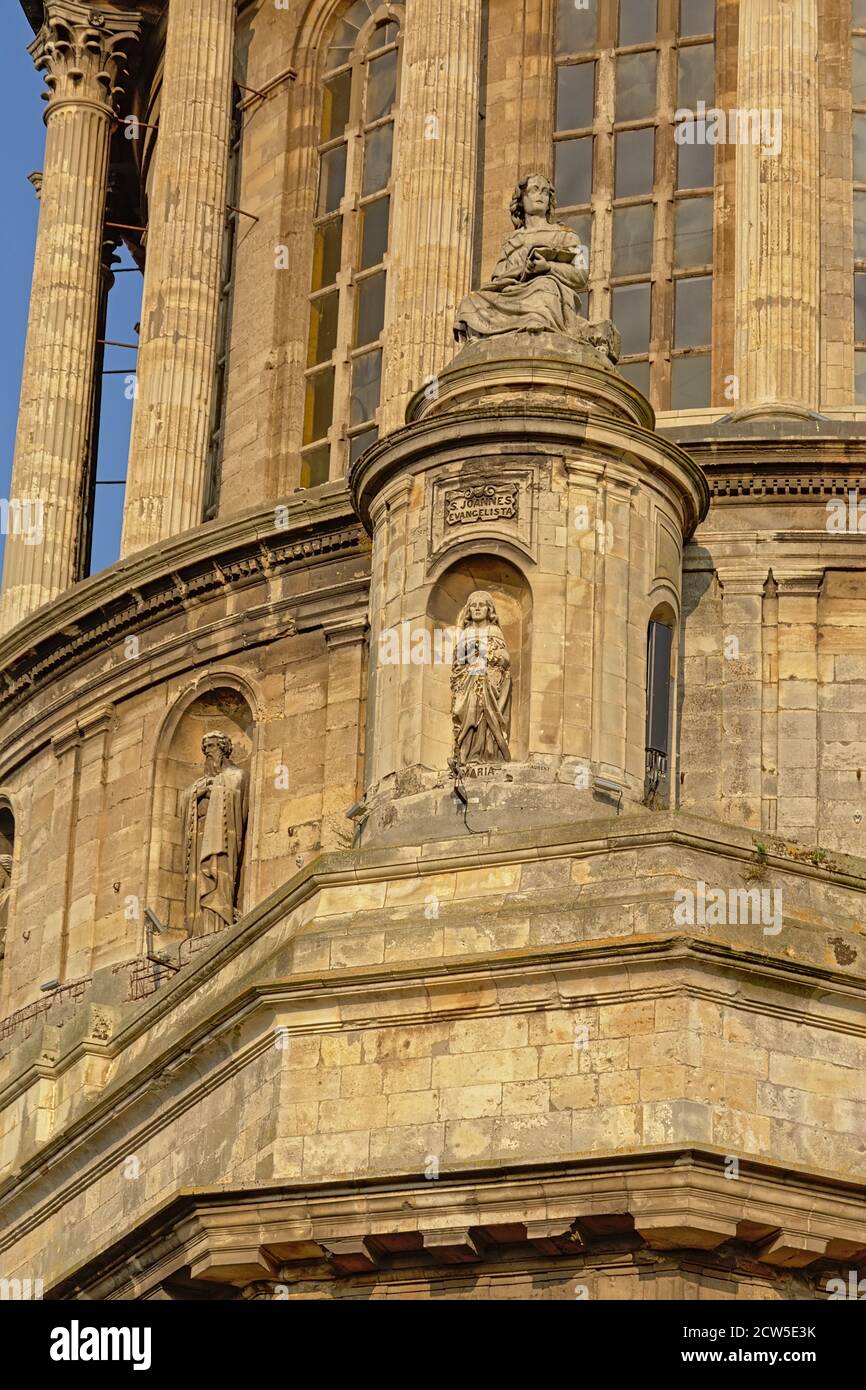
(173, 416)
(777, 272)
(436, 199)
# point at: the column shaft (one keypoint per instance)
(778, 205)
(82, 61)
(173, 413)
(435, 213)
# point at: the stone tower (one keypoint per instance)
(431, 855)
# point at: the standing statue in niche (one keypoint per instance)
(537, 279)
(5, 895)
(481, 685)
(214, 818)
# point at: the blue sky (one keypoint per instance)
(21, 151)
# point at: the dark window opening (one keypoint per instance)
(658, 707)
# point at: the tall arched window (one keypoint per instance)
(639, 194)
(350, 256)
(660, 638)
(7, 853)
(858, 98)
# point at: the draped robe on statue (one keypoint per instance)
(481, 695)
(214, 813)
(534, 287)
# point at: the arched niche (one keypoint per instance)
(222, 706)
(448, 594)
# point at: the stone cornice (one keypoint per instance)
(157, 583)
(519, 1211)
(464, 432)
(782, 466)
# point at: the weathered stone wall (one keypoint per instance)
(81, 757)
(774, 666)
(375, 1021)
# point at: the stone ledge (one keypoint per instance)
(165, 579)
(667, 1198)
(520, 425)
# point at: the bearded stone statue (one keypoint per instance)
(481, 685)
(214, 817)
(5, 894)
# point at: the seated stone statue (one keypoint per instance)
(537, 279)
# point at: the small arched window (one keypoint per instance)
(660, 638)
(350, 253)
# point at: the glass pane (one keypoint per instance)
(635, 86)
(355, 19)
(385, 33)
(575, 95)
(359, 442)
(369, 309)
(637, 21)
(318, 405)
(337, 56)
(695, 163)
(860, 226)
(323, 328)
(860, 308)
(693, 308)
(327, 252)
(374, 233)
(858, 73)
(332, 180)
(860, 378)
(638, 373)
(377, 159)
(635, 154)
(366, 375)
(573, 176)
(697, 77)
(631, 314)
(860, 149)
(633, 240)
(346, 33)
(693, 239)
(690, 382)
(581, 222)
(697, 17)
(315, 466)
(576, 28)
(381, 86)
(335, 105)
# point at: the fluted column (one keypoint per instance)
(82, 53)
(778, 207)
(435, 209)
(172, 419)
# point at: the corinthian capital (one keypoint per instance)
(82, 51)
